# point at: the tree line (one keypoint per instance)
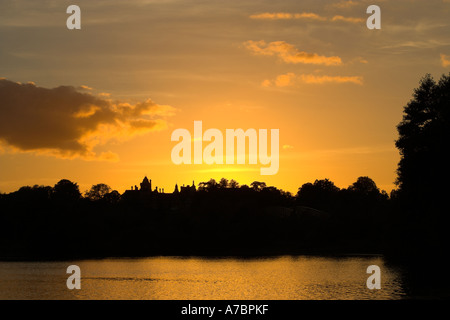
(220, 217)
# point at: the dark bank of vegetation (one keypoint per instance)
(224, 218)
(220, 218)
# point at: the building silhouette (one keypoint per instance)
(146, 185)
(145, 190)
(188, 189)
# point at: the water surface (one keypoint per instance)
(173, 278)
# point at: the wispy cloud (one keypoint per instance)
(303, 15)
(291, 79)
(309, 78)
(445, 60)
(345, 151)
(84, 87)
(345, 4)
(69, 122)
(285, 80)
(289, 54)
(347, 19)
(421, 44)
(227, 169)
(287, 16)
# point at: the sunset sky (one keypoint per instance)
(139, 69)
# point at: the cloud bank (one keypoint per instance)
(69, 122)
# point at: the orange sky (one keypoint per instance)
(311, 69)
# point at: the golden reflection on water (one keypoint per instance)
(283, 278)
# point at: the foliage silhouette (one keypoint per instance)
(423, 171)
(423, 141)
(66, 191)
(221, 218)
(365, 186)
(98, 191)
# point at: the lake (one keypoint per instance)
(175, 278)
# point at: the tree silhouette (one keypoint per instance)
(98, 191)
(257, 185)
(66, 191)
(233, 184)
(424, 135)
(365, 186)
(223, 183)
(112, 197)
(319, 195)
(33, 194)
(208, 186)
(423, 170)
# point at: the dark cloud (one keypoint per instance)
(67, 122)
